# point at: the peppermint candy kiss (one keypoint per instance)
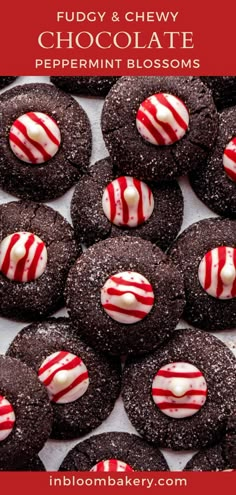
(112, 465)
(162, 119)
(217, 272)
(7, 418)
(179, 390)
(127, 297)
(127, 202)
(229, 159)
(23, 257)
(65, 376)
(34, 137)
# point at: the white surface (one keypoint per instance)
(54, 451)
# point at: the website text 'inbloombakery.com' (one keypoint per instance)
(108, 481)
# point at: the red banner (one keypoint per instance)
(163, 483)
(94, 38)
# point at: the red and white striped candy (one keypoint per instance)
(127, 202)
(179, 390)
(162, 119)
(7, 418)
(217, 272)
(111, 465)
(127, 297)
(229, 159)
(34, 137)
(65, 376)
(23, 256)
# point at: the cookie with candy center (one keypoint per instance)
(114, 452)
(37, 248)
(120, 291)
(215, 181)
(205, 254)
(46, 142)
(181, 396)
(84, 85)
(159, 128)
(106, 205)
(81, 384)
(25, 414)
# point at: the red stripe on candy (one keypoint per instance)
(149, 126)
(34, 264)
(176, 405)
(129, 312)
(230, 153)
(7, 425)
(163, 100)
(165, 126)
(111, 195)
(167, 393)
(68, 366)
(138, 186)
(208, 265)
(36, 119)
(121, 281)
(233, 291)
(5, 410)
(22, 128)
(125, 209)
(142, 299)
(222, 261)
(20, 267)
(23, 148)
(6, 261)
(61, 355)
(76, 382)
(179, 374)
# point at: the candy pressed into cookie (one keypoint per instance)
(25, 414)
(82, 385)
(85, 85)
(158, 128)
(37, 248)
(215, 181)
(124, 295)
(45, 142)
(205, 253)
(105, 205)
(181, 396)
(114, 451)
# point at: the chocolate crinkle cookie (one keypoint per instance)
(37, 248)
(106, 205)
(34, 464)
(85, 85)
(223, 90)
(114, 452)
(221, 457)
(215, 181)
(25, 414)
(205, 253)
(124, 296)
(45, 141)
(6, 80)
(181, 396)
(158, 128)
(82, 384)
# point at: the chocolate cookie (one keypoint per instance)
(221, 457)
(5, 80)
(34, 464)
(25, 414)
(215, 181)
(82, 385)
(124, 296)
(157, 128)
(45, 141)
(114, 452)
(205, 253)
(85, 85)
(181, 396)
(223, 90)
(104, 205)
(37, 248)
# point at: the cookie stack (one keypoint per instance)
(126, 292)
